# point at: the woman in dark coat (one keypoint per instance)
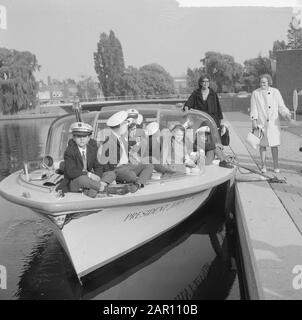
(205, 99)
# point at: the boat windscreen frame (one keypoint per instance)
(93, 118)
(88, 117)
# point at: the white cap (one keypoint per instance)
(134, 114)
(203, 129)
(139, 119)
(151, 128)
(81, 128)
(117, 118)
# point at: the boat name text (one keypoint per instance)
(156, 210)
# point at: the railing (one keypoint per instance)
(228, 103)
(118, 98)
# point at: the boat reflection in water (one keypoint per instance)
(191, 261)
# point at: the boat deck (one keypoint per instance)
(30, 195)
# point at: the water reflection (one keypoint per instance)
(175, 266)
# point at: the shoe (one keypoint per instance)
(119, 189)
(263, 169)
(277, 170)
(133, 187)
(90, 193)
(225, 164)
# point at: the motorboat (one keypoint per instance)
(96, 231)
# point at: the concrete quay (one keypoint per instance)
(269, 215)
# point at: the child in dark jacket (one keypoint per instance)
(82, 171)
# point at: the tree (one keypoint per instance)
(87, 88)
(294, 37)
(253, 69)
(192, 78)
(18, 87)
(132, 79)
(278, 45)
(109, 64)
(155, 80)
(223, 69)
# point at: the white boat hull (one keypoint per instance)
(94, 232)
(98, 238)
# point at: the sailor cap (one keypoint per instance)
(204, 127)
(117, 118)
(81, 128)
(133, 113)
(151, 128)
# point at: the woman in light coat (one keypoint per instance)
(266, 105)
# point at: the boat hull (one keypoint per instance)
(95, 232)
(98, 238)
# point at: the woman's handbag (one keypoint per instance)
(254, 137)
(225, 138)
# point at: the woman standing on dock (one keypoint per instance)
(266, 105)
(205, 99)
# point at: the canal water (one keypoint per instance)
(192, 261)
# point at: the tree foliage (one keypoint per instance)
(253, 69)
(131, 80)
(155, 80)
(294, 37)
(222, 69)
(277, 45)
(224, 72)
(192, 78)
(109, 64)
(18, 87)
(87, 88)
(116, 80)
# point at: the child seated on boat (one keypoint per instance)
(148, 148)
(175, 150)
(82, 171)
(114, 153)
(204, 140)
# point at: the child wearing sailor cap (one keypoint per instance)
(82, 169)
(114, 152)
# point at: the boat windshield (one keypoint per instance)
(167, 116)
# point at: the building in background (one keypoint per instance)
(289, 75)
(56, 92)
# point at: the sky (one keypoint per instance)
(222, 3)
(63, 34)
